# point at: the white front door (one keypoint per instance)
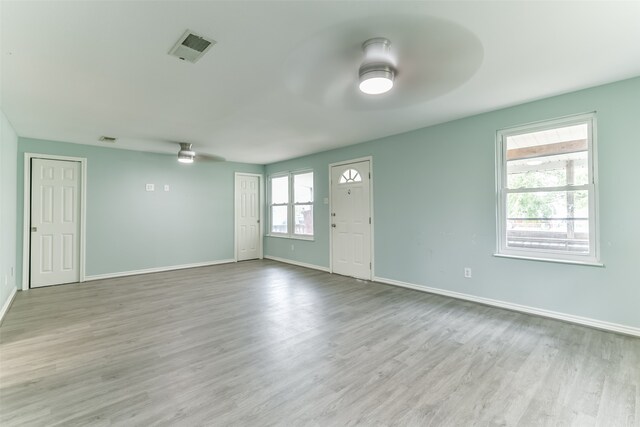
(351, 220)
(55, 222)
(247, 217)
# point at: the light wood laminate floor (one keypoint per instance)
(262, 343)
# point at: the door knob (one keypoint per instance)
(333, 225)
(34, 229)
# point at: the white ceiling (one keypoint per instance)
(281, 80)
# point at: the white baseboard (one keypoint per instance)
(7, 303)
(156, 270)
(585, 321)
(298, 263)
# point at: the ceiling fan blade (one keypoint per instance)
(202, 157)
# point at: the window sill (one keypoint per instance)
(286, 236)
(557, 261)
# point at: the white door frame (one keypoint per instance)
(26, 220)
(236, 208)
(372, 253)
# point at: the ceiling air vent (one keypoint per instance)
(191, 46)
(107, 139)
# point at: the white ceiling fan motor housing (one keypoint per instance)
(186, 154)
(377, 72)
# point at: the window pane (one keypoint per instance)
(350, 175)
(557, 220)
(304, 220)
(540, 139)
(280, 190)
(303, 188)
(551, 234)
(279, 219)
(548, 204)
(549, 158)
(549, 171)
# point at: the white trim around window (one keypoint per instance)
(544, 173)
(295, 211)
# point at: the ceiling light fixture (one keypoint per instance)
(186, 154)
(377, 72)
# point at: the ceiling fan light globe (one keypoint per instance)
(376, 79)
(375, 85)
(185, 159)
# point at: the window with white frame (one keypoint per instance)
(291, 199)
(547, 190)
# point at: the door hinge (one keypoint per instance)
(369, 266)
(369, 175)
(369, 220)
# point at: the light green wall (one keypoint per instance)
(8, 149)
(435, 209)
(129, 229)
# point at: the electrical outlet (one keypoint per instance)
(150, 187)
(166, 187)
(467, 272)
(293, 248)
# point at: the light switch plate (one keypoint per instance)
(166, 187)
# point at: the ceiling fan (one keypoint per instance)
(383, 62)
(186, 154)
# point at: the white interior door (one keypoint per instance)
(247, 217)
(351, 220)
(55, 222)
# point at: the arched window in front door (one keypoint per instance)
(350, 175)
